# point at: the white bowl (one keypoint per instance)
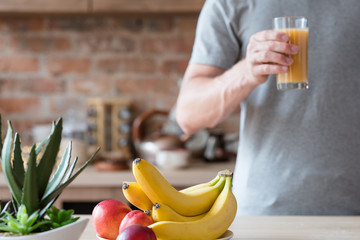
(227, 235)
(100, 238)
(71, 231)
(172, 159)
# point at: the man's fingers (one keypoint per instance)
(266, 69)
(270, 57)
(271, 35)
(269, 52)
(275, 46)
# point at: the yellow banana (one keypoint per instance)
(138, 198)
(201, 185)
(162, 212)
(210, 227)
(159, 190)
(135, 195)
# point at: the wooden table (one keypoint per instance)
(284, 228)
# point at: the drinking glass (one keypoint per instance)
(297, 75)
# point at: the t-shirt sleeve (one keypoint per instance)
(215, 42)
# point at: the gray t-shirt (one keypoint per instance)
(299, 151)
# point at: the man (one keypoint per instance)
(299, 151)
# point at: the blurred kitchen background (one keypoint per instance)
(106, 67)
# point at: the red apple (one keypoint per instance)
(135, 217)
(107, 216)
(138, 232)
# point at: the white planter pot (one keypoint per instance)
(71, 231)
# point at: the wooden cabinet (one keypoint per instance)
(100, 6)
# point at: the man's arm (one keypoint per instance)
(209, 94)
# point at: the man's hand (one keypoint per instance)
(268, 52)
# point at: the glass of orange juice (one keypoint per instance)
(297, 75)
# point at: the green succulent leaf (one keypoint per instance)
(48, 159)
(71, 170)
(2, 211)
(12, 223)
(51, 196)
(15, 188)
(30, 196)
(63, 215)
(47, 206)
(23, 223)
(60, 217)
(5, 228)
(55, 225)
(59, 189)
(32, 219)
(18, 163)
(60, 172)
(38, 225)
(22, 215)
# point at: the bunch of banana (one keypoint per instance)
(203, 211)
(136, 196)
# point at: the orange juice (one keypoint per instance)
(298, 71)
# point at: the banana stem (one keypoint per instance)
(125, 186)
(225, 173)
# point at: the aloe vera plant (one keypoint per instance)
(60, 217)
(22, 223)
(36, 186)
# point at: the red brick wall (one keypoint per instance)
(50, 64)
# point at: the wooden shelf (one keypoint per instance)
(100, 6)
(154, 6)
(44, 6)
